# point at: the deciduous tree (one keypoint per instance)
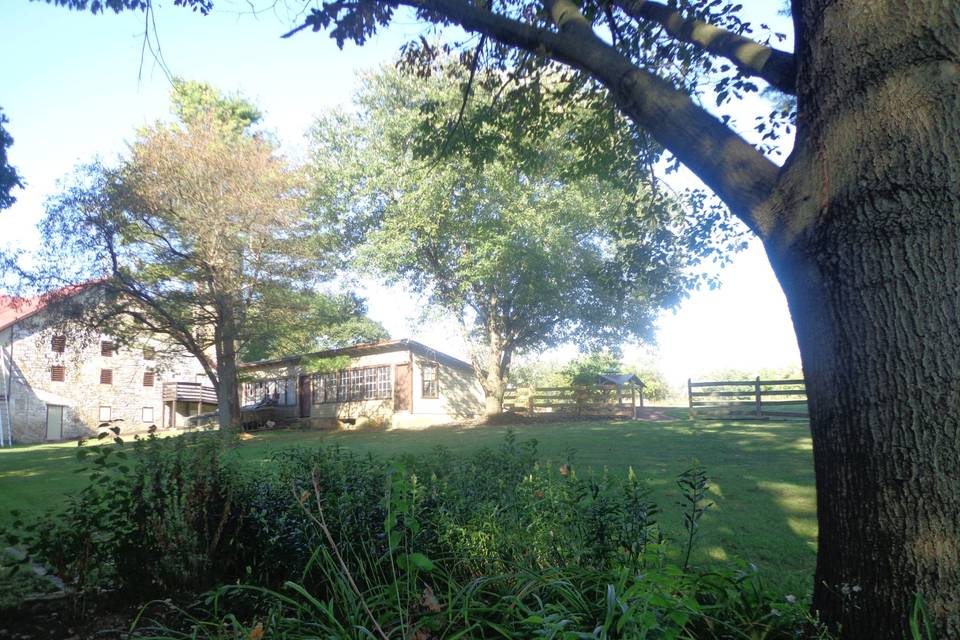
(519, 245)
(861, 224)
(190, 234)
(290, 321)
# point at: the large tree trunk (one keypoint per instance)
(881, 352)
(228, 395)
(228, 391)
(868, 253)
(494, 376)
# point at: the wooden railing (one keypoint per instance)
(189, 392)
(576, 401)
(755, 398)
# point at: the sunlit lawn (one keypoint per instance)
(761, 476)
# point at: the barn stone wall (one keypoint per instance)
(81, 393)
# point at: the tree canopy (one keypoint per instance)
(290, 321)
(188, 235)
(9, 178)
(526, 245)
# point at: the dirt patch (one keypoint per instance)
(654, 414)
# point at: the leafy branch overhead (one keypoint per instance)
(9, 178)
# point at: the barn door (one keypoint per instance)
(304, 396)
(402, 388)
(54, 422)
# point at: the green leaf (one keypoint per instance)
(420, 561)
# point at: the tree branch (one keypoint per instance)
(739, 174)
(752, 58)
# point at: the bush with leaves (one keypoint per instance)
(333, 544)
(156, 517)
(533, 551)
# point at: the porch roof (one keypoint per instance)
(384, 346)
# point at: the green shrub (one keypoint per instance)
(331, 544)
(161, 516)
(408, 593)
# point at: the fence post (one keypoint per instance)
(759, 403)
(693, 412)
(531, 391)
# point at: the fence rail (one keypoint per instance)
(582, 401)
(747, 397)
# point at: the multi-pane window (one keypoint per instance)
(324, 387)
(106, 414)
(146, 415)
(57, 373)
(106, 348)
(431, 381)
(149, 377)
(58, 344)
(384, 390)
(368, 383)
(106, 376)
(277, 389)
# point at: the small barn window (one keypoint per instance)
(58, 344)
(431, 382)
(106, 376)
(146, 415)
(149, 353)
(57, 373)
(106, 349)
(148, 377)
(106, 414)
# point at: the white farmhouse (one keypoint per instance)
(393, 383)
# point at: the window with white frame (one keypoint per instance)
(431, 380)
(367, 383)
(146, 415)
(105, 414)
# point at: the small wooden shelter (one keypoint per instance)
(623, 382)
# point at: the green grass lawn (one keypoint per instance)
(761, 476)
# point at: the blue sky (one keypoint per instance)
(73, 88)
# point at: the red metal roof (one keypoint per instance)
(16, 308)
(13, 308)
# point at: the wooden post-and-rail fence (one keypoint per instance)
(714, 398)
(580, 401)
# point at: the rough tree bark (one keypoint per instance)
(494, 373)
(228, 390)
(867, 249)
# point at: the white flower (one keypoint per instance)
(791, 599)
